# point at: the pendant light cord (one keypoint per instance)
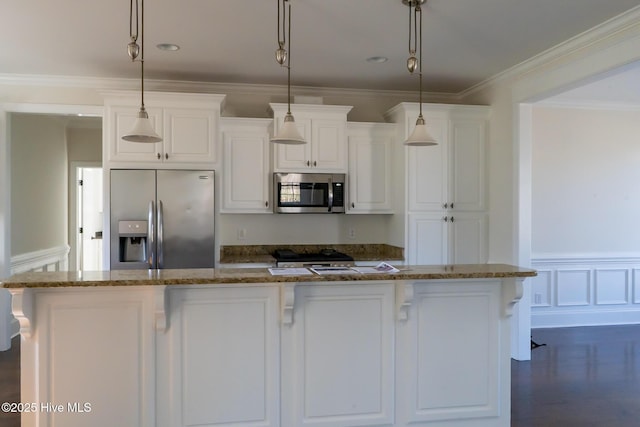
(419, 10)
(289, 63)
(141, 54)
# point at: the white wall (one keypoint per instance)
(38, 183)
(585, 206)
(586, 175)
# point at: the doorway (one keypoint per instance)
(88, 217)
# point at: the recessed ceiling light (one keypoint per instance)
(377, 59)
(168, 46)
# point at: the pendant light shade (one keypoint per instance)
(420, 136)
(142, 129)
(288, 132)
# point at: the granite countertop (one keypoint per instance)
(250, 275)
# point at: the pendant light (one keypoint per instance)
(142, 130)
(420, 136)
(288, 133)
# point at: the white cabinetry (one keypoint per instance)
(324, 129)
(246, 172)
(220, 359)
(446, 197)
(370, 173)
(339, 356)
(187, 123)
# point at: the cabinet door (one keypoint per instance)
(369, 172)
(428, 239)
(246, 176)
(338, 357)
(467, 152)
(449, 356)
(428, 169)
(190, 135)
(293, 158)
(468, 238)
(328, 145)
(120, 122)
(220, 358)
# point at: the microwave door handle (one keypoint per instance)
(150, 233)
(330, 194)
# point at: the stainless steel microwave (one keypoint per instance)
(308, 192)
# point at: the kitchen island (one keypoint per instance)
(425, 346)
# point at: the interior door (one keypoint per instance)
(89, 218)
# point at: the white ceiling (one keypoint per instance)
(465, 41)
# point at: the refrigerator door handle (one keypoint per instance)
(150, 233)
(160, 235)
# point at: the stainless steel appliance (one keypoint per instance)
(308, 193)
(323, 258)
(162, 219)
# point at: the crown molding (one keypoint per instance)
(105, 84)
(607, 32)
(589, 105)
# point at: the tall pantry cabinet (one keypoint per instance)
(446, 216)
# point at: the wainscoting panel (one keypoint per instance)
(612, 286)
(573, 287)
(51, 259)
(579, 290)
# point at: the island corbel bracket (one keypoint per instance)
(512, 291)
(22, 309)
(287, 302)
(404, 298)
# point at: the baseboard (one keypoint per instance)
(572, 318)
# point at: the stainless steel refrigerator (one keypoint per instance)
(162, 219)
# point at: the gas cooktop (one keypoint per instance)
(323, 258)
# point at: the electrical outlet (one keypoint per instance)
(352, 233)
(242, 233)
(537, 299)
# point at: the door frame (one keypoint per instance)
(73, 208)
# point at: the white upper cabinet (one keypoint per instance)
(450, 175)
(370, 173)
(324, 129)
(446, 184)
(246, 173)
(187, 123)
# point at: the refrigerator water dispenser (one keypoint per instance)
(133, 241)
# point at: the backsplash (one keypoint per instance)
(262, 253)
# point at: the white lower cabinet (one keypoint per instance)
(338, 357)
(447, 238)
(219, 361)
(426, 353)
(452, 363)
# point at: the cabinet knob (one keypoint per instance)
(451, 204)
(446, 219)
(451, 219)
(446, 205)
(266, 204)
(353, 205)
(308, 163)
(166, 156)
(315, 163)
(158, 154)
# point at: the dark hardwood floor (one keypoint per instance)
(10, 382)
(581, 377)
